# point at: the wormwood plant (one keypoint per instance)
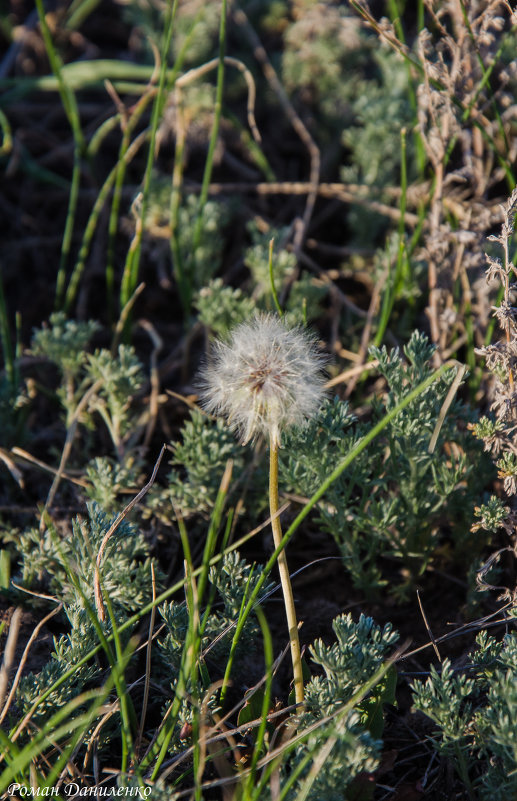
(359, 650)
(301, 294)
(196, 24)
(222, 307)
(198, 463)
(475, 714)
(68, 651)
(497, 432)
(399, 499)
(65, 566)
(99, 385)
(325, 45)
(107, 477)
(46, 557)
(64, 342)
(381, 109)
(191, 689)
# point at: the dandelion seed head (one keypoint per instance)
(265, 379)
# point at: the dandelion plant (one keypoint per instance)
(265, 379)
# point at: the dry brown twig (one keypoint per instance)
(21, 667)
(9, 655)
(99, 604)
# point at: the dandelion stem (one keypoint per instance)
(285, 580)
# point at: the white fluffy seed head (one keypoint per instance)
(264, 379)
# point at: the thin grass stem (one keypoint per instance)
(207, 174)
(272, 279)
(91, 225)
(69, 102)
(113, 223)
(193, 639)
(132, 265)
(394, 286)
(233, 647)
(7, 136)
(268, 660)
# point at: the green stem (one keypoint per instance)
(6, 342)
(70, 106)
(113, 224)
(132, 265)
(207, 174)
(285, 580)
(91, 225)
(7, 135)
(272, 279)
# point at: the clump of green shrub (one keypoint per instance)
(359, 650)
(474, 711)
(397, 496)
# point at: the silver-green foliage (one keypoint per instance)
(207, 254)
(64, 342)
(221, 307)
(68, 651)
(360, 649)
(256, 258)
(323, 47)
(443, 698)
(203, 259)
(68, 566)
(230, 581)
(361, 92)
(475, 715)
(393, 500)
(198, 465)
(107, 477)
(118, 379)
(100, 383)
(381, 109)
(195, 28)
(301, 295)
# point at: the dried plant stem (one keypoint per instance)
(507, 271)
(285, 580)
(99, 604)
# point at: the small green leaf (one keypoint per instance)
(252, 708)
